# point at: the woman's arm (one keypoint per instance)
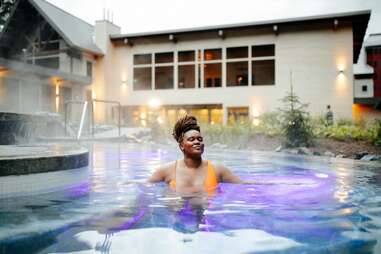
(161, 174)
(226, 176)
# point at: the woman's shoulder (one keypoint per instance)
(218, 166)
(167, 167)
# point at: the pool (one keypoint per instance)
(315, 205)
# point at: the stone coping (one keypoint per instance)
(31, 159)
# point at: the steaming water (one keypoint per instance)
(315, 206)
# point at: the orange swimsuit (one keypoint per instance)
(210, 182)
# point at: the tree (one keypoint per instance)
(5, 11)
(296, 126)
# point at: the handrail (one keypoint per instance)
(82, 120)
(66, 105)
(85, 105)
(106, 101)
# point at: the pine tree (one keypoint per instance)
(296, 126)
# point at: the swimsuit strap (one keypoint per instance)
(211, 181)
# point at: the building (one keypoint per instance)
(221, 74)
(368, 80)
(46, 58)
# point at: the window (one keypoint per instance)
(142, 78)
(237, 52)
(186, 76)
(238, 115)
(164, 77)
(263, 72)
(212, 75)
(212, 68)
(186, 56)
(237, 72)
(164, 70)
(166, 57)
(364, 88)
(212, 54)
(142, 72)
(263, 50)
(89, 69)
(263, 65)
(186, 69)
(142, 59)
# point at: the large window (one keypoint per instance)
(237, 66)
(242, 66)
(163, 77)
(142, 78)
(263, 72)
(212, 68)
(263, 65)
(142, 72)
(164, 70)
(238, 115)
(186, 69)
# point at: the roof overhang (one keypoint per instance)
(358, 20)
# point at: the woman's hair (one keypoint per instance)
(183, 125)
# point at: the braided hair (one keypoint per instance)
(183, 125)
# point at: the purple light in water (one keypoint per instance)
(79, 190)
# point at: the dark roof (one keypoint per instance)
(241, 25)
(76, 32)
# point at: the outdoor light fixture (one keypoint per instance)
(221, 34)
(154, 103)
(172, 38)
(335, 24)
(275, 29)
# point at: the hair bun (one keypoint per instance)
(183, 125)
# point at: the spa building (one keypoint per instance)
(221, 74)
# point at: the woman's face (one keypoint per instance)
(192, 143)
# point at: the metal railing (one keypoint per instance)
(92, 114)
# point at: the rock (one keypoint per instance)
(316, 153)
(340, 156)
(370, 157)
(291, 151)
(329, 154)
(359, 155)
(304, 150)
(278, 149)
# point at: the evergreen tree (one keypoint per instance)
(296, 126)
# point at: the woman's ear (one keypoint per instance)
(181, 147)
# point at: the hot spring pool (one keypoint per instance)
(316, 205)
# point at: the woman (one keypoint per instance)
(192, 173)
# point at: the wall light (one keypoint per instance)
(154, 103)
(341, 71)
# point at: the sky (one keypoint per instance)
(154, 15)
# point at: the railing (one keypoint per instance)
(83, 115)
(109, 102)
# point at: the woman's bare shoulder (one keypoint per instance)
(167, 167)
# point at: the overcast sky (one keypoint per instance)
(152, 15)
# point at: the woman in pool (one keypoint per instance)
(192, 174)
